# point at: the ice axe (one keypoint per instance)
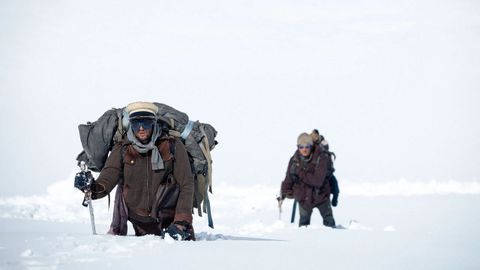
(84, 181)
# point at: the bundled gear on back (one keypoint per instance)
(319, 141)
(121, 128)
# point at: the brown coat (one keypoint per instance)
(141, 183)
(311, 188)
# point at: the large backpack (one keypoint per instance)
(324, 146)
(99, 137)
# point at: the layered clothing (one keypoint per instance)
(149, 191)
(305, 179)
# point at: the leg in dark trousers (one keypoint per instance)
(144, 228)
(305, 215)
(150, 226)
(327, 213)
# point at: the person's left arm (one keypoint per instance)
(182, 173)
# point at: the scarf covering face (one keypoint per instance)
(306, 159)
(157, 161)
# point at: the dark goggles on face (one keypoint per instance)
(146, 123)
(300, 146)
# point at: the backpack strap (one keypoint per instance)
(295, 165)
(204, 145)
(198, 190)
(317, 161)
(172, 146)
(117, 137)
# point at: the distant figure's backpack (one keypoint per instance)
(99, 137)
(319, 141)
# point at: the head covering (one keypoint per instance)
(139, 110)
(304, 139)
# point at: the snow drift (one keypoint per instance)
(62, 202)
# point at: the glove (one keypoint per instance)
(84, 180)
(180, 231)
(335, 200)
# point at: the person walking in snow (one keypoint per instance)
(154, 173)
(305, 181)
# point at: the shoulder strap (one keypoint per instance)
(204, 145)
(172, 146)
(295, 165)
(118, 135)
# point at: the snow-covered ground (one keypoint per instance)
(390, 229)
(392, 84)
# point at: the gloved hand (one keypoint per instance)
(181, 231)
(84, 180)
(335, 200)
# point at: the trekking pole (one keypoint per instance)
(84, 181)
(292, 220)
(88, 200)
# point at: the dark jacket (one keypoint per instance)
(143, 186)
(306, 178)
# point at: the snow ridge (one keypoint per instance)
(62, 203)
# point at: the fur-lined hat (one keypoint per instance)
(142, 110)
(304, 139)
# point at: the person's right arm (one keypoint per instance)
(110, 174)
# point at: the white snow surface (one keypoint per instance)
(393, 84)
(401, 225)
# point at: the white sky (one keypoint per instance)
(394, 85)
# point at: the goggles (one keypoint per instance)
(146, 123)
(308, 146)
